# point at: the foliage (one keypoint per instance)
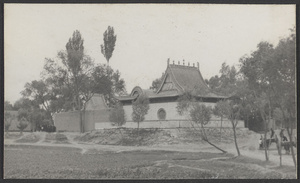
(75, 78)
(8, 106)
(140, 108)
(109, 39)
(8, 117)
(157, 82)
(200, 114)
(227, 82)
(38, 91)
(117, 115)
(184, 103)
(230, 109)
(270, 72)
(29, 110)
(23, 123)
(24, 103)
(221, 108)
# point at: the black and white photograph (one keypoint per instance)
(149, 91)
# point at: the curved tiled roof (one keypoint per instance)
(183, 78)
(188, 78)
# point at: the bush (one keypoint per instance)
(117, 115)
(22, 125)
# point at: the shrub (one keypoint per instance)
(22, 125)
(117, 115)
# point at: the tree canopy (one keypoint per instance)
(109, 39)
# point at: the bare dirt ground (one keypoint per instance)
(208, 162)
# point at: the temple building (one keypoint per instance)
(177, 80)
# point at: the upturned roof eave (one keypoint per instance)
(173, 95)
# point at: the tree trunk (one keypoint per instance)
(81, 122)
(290, 133)
(234, 135)
(265, 144)
(138, 128)
(215, 146)
(121, 134)
(221, 129)
(206, 140)
(278, 145)
(265, 135)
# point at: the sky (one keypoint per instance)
(147, 35)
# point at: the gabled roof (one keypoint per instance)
(97, 102)
(177, 80)
(184, 78)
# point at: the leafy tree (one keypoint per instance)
(8, 106)
(8, 117)
(188, 105)
(254, 69)
(30, 110)
(213, 82)
(220, 110)
(201, 114)
(70, 76)
(271, 76)
(117, 115)
(140, 108)
(109, 39)
(157, 82)
(22, 125)
(230, 110)
(184, 102)
(281, 76)
(227, 83)
(40, 93)
(118, 86)
(75, 78)
(24, 103)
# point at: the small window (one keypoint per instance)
(161, 114)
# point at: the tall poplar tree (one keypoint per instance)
(109, 39)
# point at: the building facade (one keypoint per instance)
(177, 80)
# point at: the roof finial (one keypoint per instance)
(183, 61)
(198, 65)
(168, 61)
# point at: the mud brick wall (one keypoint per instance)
(169, 107)
(70, 121)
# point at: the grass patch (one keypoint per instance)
(58, 138)
(45, 162)
(29, 138)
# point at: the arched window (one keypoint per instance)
(161, 114)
